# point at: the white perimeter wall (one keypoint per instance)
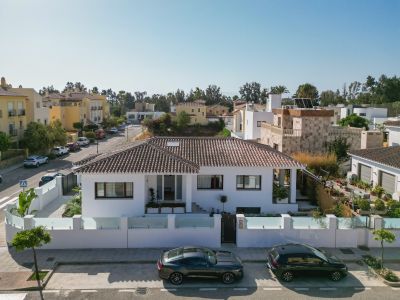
(394, 136)
(209, 199)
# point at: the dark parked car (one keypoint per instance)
(287, 261)
(48, 177)
(73, 147)
(192, 261)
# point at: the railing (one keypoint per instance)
(391, 223)
(100, 223)
(13, 132)
(350, 223)
(193, 221)
(21, 112)
(12, 113)
(264, 222)
(309, 223)
(53, 223)
(158, 221)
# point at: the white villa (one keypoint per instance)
(188, 172)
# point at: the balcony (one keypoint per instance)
(283, 132)
(12, 113)
(21, 112)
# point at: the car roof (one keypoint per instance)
(49, 174)
(292, 249)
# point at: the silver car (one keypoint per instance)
(35, 161)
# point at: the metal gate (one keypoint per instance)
(68, 183)
(228, 228)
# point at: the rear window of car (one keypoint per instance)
(274, 254)
(47, 178)
(175, 253)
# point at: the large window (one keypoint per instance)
(248, 182)
(210, 182)
(113, 190)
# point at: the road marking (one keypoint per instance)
(20, 296)
(88, 291)
(362, 288)
(168, 290)
(8, 202)
(327, 289)
(51, 291)
(127, 291)
(272, 289)
(302, 289)
(5, 198)
(207, 289)
(395, 288)
(240, 289)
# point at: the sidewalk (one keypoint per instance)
(9, 169)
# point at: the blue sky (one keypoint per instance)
(159, 46)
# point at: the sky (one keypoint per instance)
(159, 46)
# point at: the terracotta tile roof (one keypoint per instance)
(186, 155)
(392, 123)
(389, 156)
(4, 92)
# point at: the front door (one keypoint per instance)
(228, 228)
(169, 187)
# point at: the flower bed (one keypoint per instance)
(389, 277)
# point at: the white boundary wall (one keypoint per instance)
(46, 194)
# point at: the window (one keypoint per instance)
(363, 114)
(258, 123)
(37, 104)
(279, 121)
(1, 113)
(198, 110)
(210, 182)
(114, 189)
(192, 109)
(248, 182)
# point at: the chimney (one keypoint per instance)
(3, 83)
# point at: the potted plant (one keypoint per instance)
(280, 193)
(377, 191)
(223, 199)
(152, 206)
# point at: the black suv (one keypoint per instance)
(287, 261)
(192, 261)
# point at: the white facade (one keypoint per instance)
(368, 113)
(376, 172)
(137, 117)
(253, 123)
(393, 135)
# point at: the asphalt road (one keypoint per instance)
(9, 188)
(386, 293)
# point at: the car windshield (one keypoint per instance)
(30, 158)
(319, 254)
(47, 178)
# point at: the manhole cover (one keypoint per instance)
(28, 265)
(346, 251)
(141, 291)
(50, 259)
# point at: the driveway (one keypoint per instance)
(106, 276)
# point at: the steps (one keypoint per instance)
(197, 209)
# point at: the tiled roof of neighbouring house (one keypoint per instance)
(187, 155)
(389, 156)
(4, 92)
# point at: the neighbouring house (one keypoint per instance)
(217, 110)
(393, 130)
(193, 172)
(247, 117)
(13, 118)
(379, 166)
(136, 117)
(144, 106)
(74, 107)
(310, 130)
(368, 113)
(196, 110)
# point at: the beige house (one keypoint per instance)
(195, 110)
(310, 130)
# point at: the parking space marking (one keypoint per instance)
(51, 291)
(127, 291)
(273, 289)
(207, 289)
(168, 290)
(240, 289)
(395, 288)
(327, 289)
(302, 289)
(88, 291)
(362, 288)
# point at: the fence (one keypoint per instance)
(154, 231)
(68, 183)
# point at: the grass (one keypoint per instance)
(42, 275)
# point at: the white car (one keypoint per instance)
(83, 141)
(60, 150)
(35, 161)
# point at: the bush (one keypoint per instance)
(224, 133)
(393, 208)
(389, 275)
(377, 191)
(74, 206)
(379, 204)
(91, 136)
(373, 262)
(363, 204)
(316, 163)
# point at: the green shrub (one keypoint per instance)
(379, 204)
(74, 205)
(363, 204)
(393, 208)
(373, 262)
(378, 191)
(389, 275)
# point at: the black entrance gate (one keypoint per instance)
(228, 228)
(68, 183)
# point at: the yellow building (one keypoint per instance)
(217, 110)
(73, 107)
(196, 111)
(13, 118)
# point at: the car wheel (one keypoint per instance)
(287, 276)
(176, 278)
(336, 276)
(228, 278)
(37, 165)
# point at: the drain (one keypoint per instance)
(141, 291)
(346, 251)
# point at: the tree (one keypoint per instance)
(25, 199)
(69, 87)
(50, 90)
(32, 239)
(79, 87)
(383, 235)
(251, 92)
(354, 120)
(140, 95)
(331, 97)
(213, 94)
(279, 89)
(182, 119)
(57, 133)
(339, 147)
(197, 94)
(95, 90)
(37, 138)
(4, 141)
(78, 126)
(306, 90)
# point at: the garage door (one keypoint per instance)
(365, 173)
(388, 182)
